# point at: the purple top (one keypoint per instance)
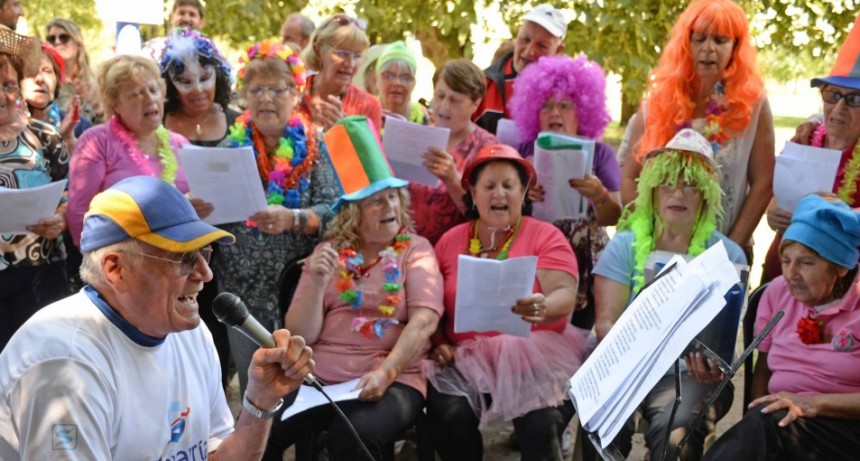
(605, 164)
(100, 160)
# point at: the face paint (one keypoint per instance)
(195, 78)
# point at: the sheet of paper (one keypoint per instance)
(557, 160)
(648, 338)
(20, 208)
(802, 170)
(225, 177)
(508, 133)
(488, 290)
(404, 142)
(309, 397)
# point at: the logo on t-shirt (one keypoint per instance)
(65, 437)
(177, 417)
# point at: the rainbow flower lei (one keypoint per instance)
(293, 162)
(713, 129)
(274, 49)
(351, 285)
(165, 151)
(848, 187)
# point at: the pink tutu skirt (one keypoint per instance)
(520, 374)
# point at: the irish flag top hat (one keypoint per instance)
(358, 159)
(846, 71)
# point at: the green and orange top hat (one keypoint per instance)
(358, 159)
(846, 72)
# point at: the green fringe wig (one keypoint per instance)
(668, 167)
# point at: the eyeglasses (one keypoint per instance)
(562, 106)
(404, 79)
(11, 89)
(344, 20)
(187, 261)
(273, 92)
(62, 38)
(689, 189)
(833, 97)
(346, 54)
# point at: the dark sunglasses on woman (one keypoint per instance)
(833, 97)
(61, 38)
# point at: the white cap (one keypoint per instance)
(688, 140)
(549, 18)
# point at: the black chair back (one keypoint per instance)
(749, 334)
(287, 283)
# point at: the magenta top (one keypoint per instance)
(99, 161)
(828, 367)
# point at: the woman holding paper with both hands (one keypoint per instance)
(480, 377)
(840, 93)
(298, 178)
(676, 210)
(459, 89)
(549, 96)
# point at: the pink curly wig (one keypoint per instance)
(674, 81)
(578, 78)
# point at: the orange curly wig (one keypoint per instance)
(674, 81)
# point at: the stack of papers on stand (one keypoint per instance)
(558, 159)
(648, 338)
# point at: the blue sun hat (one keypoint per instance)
(359, 162)
(150, 210)
(827, 226)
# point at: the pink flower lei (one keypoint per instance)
(165, 151)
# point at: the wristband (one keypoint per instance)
(257, 411)
(296, 220)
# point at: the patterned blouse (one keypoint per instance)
(251, 268)
(35, 158)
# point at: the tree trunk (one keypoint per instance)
(629, 106)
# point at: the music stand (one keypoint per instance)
(611, 453)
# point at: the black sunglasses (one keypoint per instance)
(833, 97)
(62, 38)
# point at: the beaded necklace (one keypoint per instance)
(165, 151)
(848, 187)
(713, 129)
(353, 273)
(293, 161)
(475, 243)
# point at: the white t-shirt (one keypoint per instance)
(78, 382)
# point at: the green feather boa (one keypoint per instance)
(643, 220)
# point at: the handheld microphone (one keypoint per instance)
(231, 311)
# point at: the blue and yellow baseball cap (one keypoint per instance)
(150, 210)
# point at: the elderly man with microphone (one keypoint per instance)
(124, 369)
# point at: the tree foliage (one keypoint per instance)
(243, 22)
(83, 13)
(444, 27)
(625, 37)
(796, 37)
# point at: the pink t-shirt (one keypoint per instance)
(535, 238)
(830, 367)
(342, 354)
(99, 161)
